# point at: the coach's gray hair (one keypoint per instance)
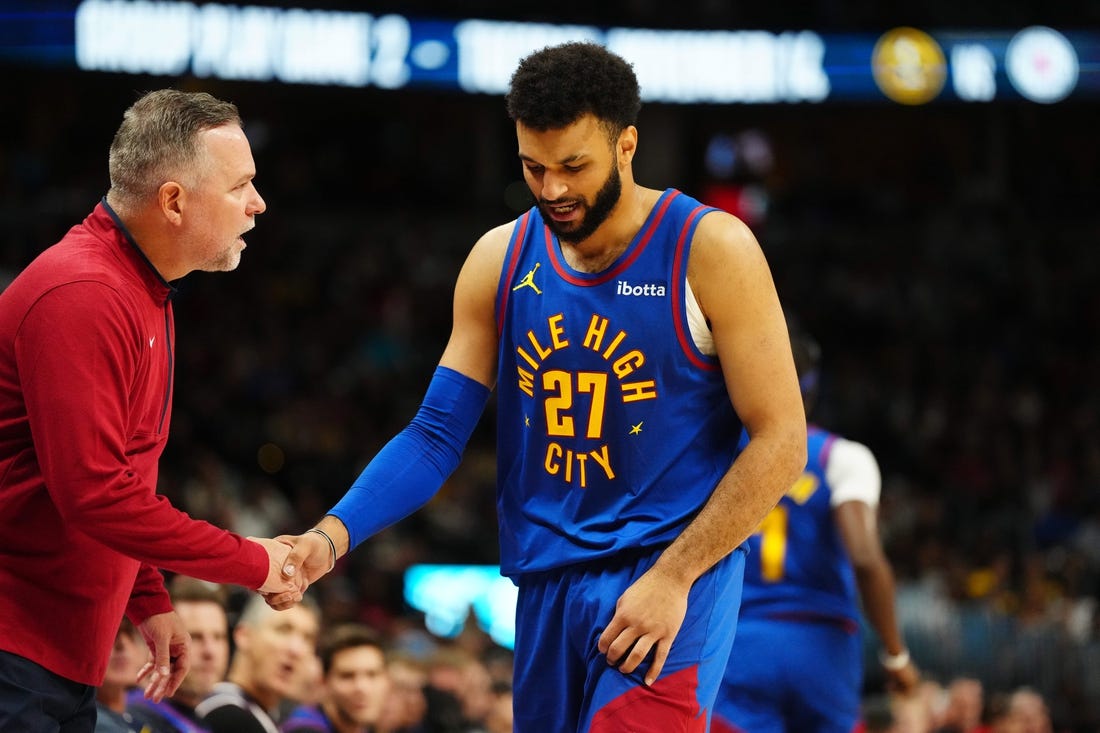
(158, 141)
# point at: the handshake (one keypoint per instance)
(294, 562)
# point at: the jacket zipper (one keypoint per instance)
(171, 362)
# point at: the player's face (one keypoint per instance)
(223, 201)
(574, 174)
(357, 685)
(209, 628)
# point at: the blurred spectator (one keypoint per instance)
(499, 717)
(271, 648)
(1028, 709)
(406, 705)
(456, 672)
(962, 712)
(127, 657)
(354, 684)
(202, 607)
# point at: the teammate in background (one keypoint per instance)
(270, 649)
(634, 332)
(355, 684)
(797, 660)
(202, 607)
(86, 358)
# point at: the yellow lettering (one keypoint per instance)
(553, 454)
(604, 460)
(773, 544)
(526, 381)
(625, 365)
(803, 488)
(565, 463)
(556, 332)
(614, 345)
(527, 357)
(597, 327)
(558, 420)
(541, 350)
(581, 458)
(636, 391)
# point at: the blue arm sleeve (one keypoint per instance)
(409, 470)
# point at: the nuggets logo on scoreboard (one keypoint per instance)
(909, 66)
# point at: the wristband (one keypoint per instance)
(331, 544)
(894, 662)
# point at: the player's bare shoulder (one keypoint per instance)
(721, 236)
(472, 347)
(725, 259)
(480, 275)
(488, 252)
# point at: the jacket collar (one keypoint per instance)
(107, 222)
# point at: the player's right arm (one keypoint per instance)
(409, 470)
(854, 475)
(472, 348)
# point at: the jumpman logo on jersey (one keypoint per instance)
(529, 280)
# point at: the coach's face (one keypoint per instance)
(222, 201)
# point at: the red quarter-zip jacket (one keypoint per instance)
(86, 339)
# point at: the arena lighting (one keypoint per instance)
(1042, 64)
(716, 66)
(356, 49)
(447, 595)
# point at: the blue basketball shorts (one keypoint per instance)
(793, 675)
(563, 684)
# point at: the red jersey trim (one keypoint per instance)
(510, 269)
(679, 277)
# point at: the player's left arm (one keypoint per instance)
(732, 282)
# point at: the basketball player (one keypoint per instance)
(633, 333)
(797, 662)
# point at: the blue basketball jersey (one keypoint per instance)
(613, 428)
(797, 562)
(796, 663)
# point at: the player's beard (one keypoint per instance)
(594, 215)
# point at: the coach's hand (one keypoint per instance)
(313, 554)
(276, 582)
(648, 615)
(170, 648)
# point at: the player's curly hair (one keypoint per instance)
(554, 87)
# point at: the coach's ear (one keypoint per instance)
(170, 201)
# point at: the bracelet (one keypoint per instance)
(894, 662)
(331, 544)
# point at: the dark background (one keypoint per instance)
(944, 256)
